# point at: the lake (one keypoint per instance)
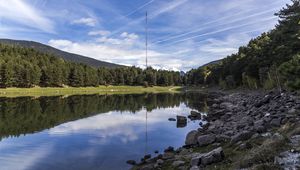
(91, 131)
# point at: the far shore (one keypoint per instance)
(57, 91)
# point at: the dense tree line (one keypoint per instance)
(268, 61)
(26, 67)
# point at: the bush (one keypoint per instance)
(290, 72)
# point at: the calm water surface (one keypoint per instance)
(90, 132)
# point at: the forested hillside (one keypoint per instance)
(268, 61)
(65, 55)
(27, 67)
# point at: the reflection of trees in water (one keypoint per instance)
(27, 115)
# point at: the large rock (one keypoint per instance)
(191, 138)
(213, 156)
(206, 139)
(194, 115)
(244, 135)
(181, 121)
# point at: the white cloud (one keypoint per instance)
(21, 158)
(86, 21)
(22, 13)
(109, 40)
(131, 36)
(99, 32)
(120, 124)
(127, 50)
(60, 43)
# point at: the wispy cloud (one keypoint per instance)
(99, 33)
(139, 8)
(21, 13)
(220, 22)
(85, 21)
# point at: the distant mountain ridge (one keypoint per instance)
(65, 55)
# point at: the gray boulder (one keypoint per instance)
(292, 111)
(191, 138)
(276, 122)
(194, 115)
(206, 139)
(213, 156)
(244, 135)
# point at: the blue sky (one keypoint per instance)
(183, 34)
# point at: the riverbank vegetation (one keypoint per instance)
(268, 61)
(57, 91)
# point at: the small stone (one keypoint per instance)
(147, 156)
(292, 111)
(178, 163)
(172, 119)
(169, 149)
(156, 152)
(168, 155)
(195, 114)
(131, 162)
(147, 167)
(276, 122)
(194, 168)
(159, 161)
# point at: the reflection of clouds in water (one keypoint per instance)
(23, 159)
(121, 124)
(125, 134)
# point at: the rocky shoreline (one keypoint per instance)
(256, 130)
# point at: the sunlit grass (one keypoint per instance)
(53, 91)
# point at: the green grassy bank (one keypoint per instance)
(53, 91)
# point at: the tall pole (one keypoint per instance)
(146, 39)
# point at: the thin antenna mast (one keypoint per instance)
(146, 39)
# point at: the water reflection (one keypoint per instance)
(81, 138)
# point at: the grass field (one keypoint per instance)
(51, 91)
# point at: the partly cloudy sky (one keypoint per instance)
(183, 34)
